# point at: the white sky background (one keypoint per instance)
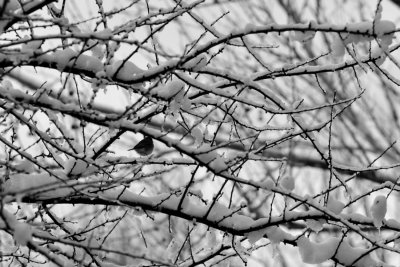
(117, 98)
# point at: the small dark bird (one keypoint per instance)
(144, 147)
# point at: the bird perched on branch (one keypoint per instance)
(144, 147)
